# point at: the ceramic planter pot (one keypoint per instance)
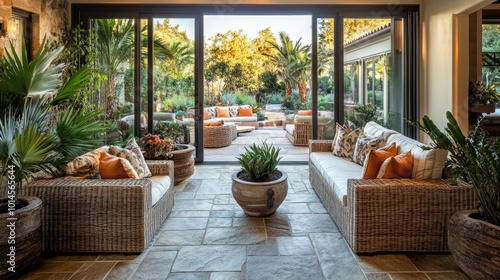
(183, 162)
(260, 198)
(27, 234)
(475, 245)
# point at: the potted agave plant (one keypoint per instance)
(259, 188)
(473, 235)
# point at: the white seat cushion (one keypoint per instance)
(336, 170)
(159, 186)
(239, 119)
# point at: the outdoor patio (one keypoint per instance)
(207, 236)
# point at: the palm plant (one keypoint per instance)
(28, 142)
(475, 156)
(114, 48)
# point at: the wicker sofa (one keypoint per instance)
(93, 215)
(234, 117)
(386, 214)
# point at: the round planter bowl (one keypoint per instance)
(259, 198)
(183, 162)
(27, 235)
(475, 245)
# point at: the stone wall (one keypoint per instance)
(50, 19)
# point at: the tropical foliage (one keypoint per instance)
(475, 156)
(28, 140)
(260, 161)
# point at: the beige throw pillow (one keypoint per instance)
(345, 142)
(134, 147)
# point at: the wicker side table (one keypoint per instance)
(218, 136)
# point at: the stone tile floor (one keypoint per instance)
(207, 236)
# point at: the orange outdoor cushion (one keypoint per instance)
(305, 112)
(112, 167)
(222, 112)
(375, 159)
(206, 115)
(399, 166)
(245, 112)
(213, 123)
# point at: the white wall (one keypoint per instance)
(445, 58)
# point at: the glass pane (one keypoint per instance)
(326, 86)
(173, 79)
(373, 72)
(113, 47)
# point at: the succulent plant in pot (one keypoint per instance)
(473, 236)
(259, 188)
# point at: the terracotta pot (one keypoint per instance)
(475, 245)
(260, 198)
(183, 162)
(26, 231)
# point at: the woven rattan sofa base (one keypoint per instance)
(393, 215)
(218, 136)
(92, 215)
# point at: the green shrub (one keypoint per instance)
(178, 103)
(245, 98)
(274, 98)
(260, 161)
(228, 99)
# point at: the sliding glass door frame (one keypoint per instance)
(85, 12)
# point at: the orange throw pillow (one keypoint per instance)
(375, 159)
(222, 112)
(245, 112)
(206, 115)
(399, 166)
(213, 123)
(111, 167)
(305, 112)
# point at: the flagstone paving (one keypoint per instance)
(208, 236)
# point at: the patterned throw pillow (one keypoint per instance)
(212, 112)
(375, 159)
(364, 145)
(87, 164)
(138, 166)
(233, 111)
(338, 126)
(345, 142)
(134, 147)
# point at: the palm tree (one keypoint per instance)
(114, 48)
(28, 141)
(291, 61)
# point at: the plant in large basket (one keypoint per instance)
(155, 147)
(259, 188)
(474, 236)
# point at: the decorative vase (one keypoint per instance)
(259, 198)
(482, 108)
(24, 228)
(183, 162)
(475, 245)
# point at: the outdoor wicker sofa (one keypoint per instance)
(386, 214)
(94, 215)
(299, 128)
(219, 136)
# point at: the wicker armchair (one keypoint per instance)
(92, 215)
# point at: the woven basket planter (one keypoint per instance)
(26, 232)
(475, 245)
(183, 162)
(260, 198)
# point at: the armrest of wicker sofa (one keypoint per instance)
(162, 167)
(403, 214)
(320, 146)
